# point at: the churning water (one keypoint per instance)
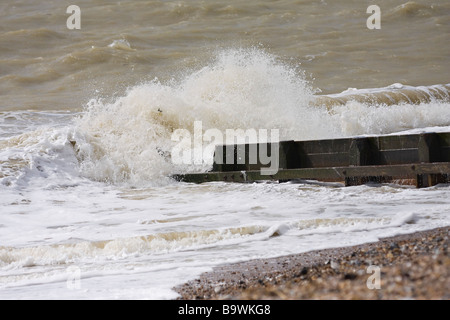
(86, 121)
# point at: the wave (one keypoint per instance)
(242, 88)
(412, 8)
(129, 139)
(122, 247)
(178, 241)
(391, 95)
(32, 34)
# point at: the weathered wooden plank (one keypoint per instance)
(396, 142)
(429, 151)
(248, 156)
(445, 154)
(405, 171)
(324, 160)
(400, 156)
(428, 180)
(360, 152)
(444, 139)
(429, 148)
(325, 146)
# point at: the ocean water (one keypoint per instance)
(88, 208)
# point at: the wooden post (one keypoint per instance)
(429, 151)
(359, 152)
(360, 155)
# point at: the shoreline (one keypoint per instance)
(410, 266)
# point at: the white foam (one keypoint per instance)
(240, 89)
(121, 44)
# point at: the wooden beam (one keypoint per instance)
(405, 171)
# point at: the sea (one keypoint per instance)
(92, 92)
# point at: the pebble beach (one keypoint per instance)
(411, 266)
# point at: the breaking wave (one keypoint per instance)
(128, 140)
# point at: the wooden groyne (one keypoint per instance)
(421, 158)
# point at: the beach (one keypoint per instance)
(412, 266)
